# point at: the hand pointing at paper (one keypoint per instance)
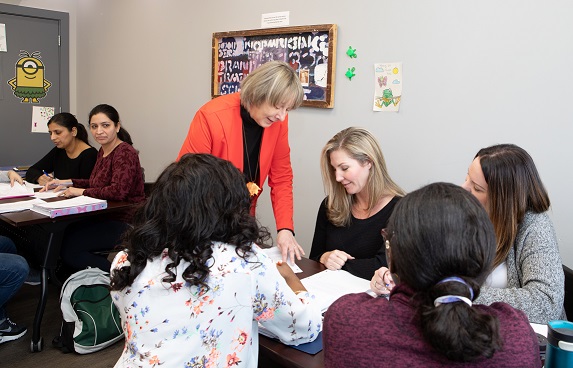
(13, 176)
(56, 185)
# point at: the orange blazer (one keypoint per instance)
(217, 128)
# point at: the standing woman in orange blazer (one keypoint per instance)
(250, 129)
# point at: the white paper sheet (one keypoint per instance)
(19, 206)
(47, 194)
(3, 43)
(540, 329)
(40, 117)
(18, 190)
(274, 253)
(72, 202)
(327, 286)
(34, 186)
(278, 19)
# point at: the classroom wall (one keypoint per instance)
(474, 74)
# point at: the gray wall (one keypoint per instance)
(475, 74)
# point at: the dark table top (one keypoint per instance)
(28, 217)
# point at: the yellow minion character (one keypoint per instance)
(29, 83)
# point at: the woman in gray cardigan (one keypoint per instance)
(527, 271)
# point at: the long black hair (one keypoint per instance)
(196, 201)
(113, 115)
(442, 231)
(69, 121)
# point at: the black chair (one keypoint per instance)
(568, 302)
(147, 187)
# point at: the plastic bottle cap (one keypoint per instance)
(567, 346)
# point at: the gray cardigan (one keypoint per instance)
(535, 279)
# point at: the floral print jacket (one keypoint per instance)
(179, 325)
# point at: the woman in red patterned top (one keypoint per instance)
(117, 176)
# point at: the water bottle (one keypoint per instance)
(559, 352)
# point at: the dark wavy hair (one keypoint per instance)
(113, 115)
(196, 201)
(69, 121)
(440, 231)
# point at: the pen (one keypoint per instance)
(48, 175)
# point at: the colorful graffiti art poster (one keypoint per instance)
(307, 53)
(387, 86)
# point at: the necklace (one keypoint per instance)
(253, 188)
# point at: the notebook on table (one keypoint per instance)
(70, 206)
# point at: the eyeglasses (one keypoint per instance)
(386, 236)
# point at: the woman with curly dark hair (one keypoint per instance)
(193, 285)
(441, 245)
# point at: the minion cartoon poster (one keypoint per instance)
(387, 86)
(30, 83)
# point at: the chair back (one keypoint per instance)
(147, 187)
(568, 302)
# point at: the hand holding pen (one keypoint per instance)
(382, 282)
(45, 178)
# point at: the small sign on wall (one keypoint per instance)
(40, 117)
(3, 43)
(279, 19)
(387, 86)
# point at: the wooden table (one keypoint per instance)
(55, 228)
(275, 354)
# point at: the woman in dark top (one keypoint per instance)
(441, 247)
(73, 157)
(117, 176)
(360, 198)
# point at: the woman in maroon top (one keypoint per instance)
(117, 176)
(441, 246)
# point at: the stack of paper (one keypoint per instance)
(18, 190)
(70, 206)
(19, 205)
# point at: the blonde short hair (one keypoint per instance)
(274, 82)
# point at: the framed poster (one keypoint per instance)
(310, 50)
